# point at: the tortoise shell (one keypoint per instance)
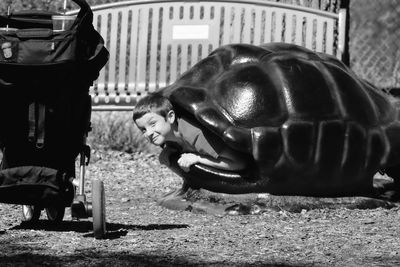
(310, 125)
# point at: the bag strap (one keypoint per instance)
(37, 124)
(32, 122)
(41, 126)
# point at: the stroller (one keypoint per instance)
(45, 110)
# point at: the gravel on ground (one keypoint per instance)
(142, 233)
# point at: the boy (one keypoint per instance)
(155, 117)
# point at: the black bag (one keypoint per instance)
(35, 186)
(33, 47)
(45, 104)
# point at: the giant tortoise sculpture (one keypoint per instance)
(308, 125)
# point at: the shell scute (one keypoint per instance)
(376, 150)
(241, 93)
(267, 146)
(298, 138)
(304, 88)
(329, 149)
(355, 152)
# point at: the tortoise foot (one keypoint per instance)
(386, 188)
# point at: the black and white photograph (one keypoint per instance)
(199, 133)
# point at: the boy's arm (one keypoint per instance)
(166, 153)
(227, 160)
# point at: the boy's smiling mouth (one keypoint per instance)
(153, 138)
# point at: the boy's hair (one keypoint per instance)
(153, 102)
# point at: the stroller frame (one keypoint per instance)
(80, 206)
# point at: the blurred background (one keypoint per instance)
(374, 55)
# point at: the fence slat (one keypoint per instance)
(278, 26)
(236, 25)
(226, 29)
(165, 39)
(174, 63)
(320, 35)
(289, 27)
(133, 58)
(152, 53)
(143, 51)
(113, 51)
(299, 29)
(329, 37)
(268, 26)
(123, 51)
(101, 81)
(247, 20)
(257, 26)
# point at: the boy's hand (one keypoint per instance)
(188, 159)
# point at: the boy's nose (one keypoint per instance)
(149, 133)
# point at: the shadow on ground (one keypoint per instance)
(114, 230)
(128, 258)
(124, 258)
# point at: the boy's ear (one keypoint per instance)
(171, 116)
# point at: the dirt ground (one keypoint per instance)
(142, 233)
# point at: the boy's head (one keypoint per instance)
(154, 116)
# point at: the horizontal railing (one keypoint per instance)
(152, 43)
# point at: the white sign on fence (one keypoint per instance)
(193, 32)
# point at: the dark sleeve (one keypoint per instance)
(199, 139)
(208, 144)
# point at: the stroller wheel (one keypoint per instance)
(98, 209)
(55, 214)
(30, 213)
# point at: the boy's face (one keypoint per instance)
(155, 127)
